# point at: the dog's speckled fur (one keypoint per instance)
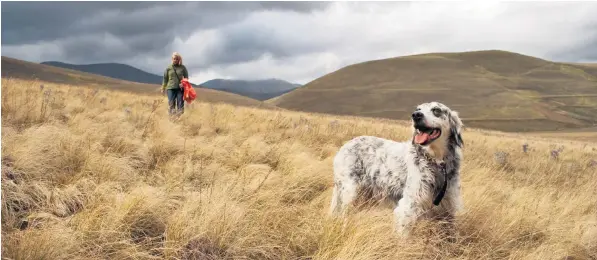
(406, 173)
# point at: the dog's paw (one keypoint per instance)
(402, 231)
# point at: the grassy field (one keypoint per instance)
(483, 85)
(14, 68)
(98, 174)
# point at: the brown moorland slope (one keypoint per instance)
(491, 89)
(19, 69)
(102, 175)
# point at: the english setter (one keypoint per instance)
(415, 175)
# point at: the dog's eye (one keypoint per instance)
(436, 111)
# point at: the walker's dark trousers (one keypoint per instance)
(175, 101)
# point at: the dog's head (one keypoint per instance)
(435, 123)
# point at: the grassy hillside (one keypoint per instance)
(105, 175)
(257, 89)
(492, 89)
(113, 70)
(14, 68)
(18, 69)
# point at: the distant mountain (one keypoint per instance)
(113, 70)
(256, 89)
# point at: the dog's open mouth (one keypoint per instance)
(425, 135)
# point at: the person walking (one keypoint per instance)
(171, 84)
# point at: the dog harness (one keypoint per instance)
(442, 191)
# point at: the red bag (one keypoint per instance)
(189, 92)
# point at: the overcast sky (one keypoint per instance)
(294, 41)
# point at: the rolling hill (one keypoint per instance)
(14, 68)
(491, 89)
(257, 89)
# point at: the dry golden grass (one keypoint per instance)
(96, 174)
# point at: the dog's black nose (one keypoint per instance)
(417, 115)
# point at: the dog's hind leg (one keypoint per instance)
(343, 195)
(334, 205)
(346, 172)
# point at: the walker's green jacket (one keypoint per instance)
(170, 80)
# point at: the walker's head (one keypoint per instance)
(176, 58)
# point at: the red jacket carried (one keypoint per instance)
(189, 93)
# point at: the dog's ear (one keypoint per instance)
(455, 128)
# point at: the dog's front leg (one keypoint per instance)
(415, 202)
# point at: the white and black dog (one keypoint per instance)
(421, 176)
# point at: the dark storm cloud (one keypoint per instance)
(28, 22)
(584, 50)
(85, 31)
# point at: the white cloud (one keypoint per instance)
(293, 68)
(197, 47)
(33, 52)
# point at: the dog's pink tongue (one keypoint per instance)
(421, 138)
